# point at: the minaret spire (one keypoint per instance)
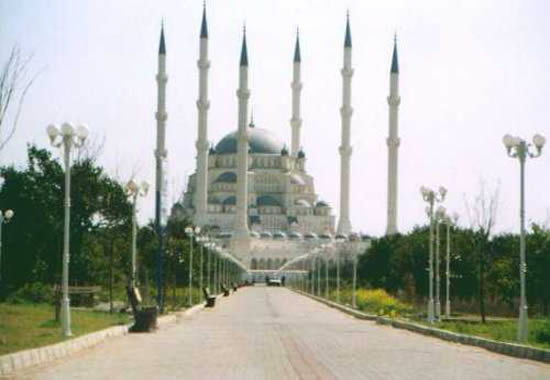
(394, 60)
(297, 57)
(344, 224)
(393, 142)
(160, 157)
(347, 39)
(244, 53)
(162, 45)
(201, 195)
(243, 94)
(204, 26)
(296, 85)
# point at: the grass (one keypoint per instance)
(27, 326)
(502, 330)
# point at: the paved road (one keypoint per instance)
(272, 333)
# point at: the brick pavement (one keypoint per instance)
(273, 333)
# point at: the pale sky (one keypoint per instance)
(470, 71)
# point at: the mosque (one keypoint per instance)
(253, 189)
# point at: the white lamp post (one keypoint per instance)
(354, 240)
(5, 217)
(191, 232)
(449, 222)
(133, 190)
(432, 197)
(520, 149)
(67, 137)
(439, 216)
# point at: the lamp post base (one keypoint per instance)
(448, 309)
(523, 330)
(431, 311)
(66, 317)
(438, 311)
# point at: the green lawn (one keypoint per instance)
(33, 325)
(502, 330)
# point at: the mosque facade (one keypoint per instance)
(254, 190)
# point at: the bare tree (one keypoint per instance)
(482, 213)
(14, 85)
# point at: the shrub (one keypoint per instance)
(35, 292)
(380, 302)
(543, 335)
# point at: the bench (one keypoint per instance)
(210, 299)
(86, 296)
(145, 318)
(225, 290)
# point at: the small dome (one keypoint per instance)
(284, 151)
(279, 235)
(259, 140)
(267, 200)
(254, 234)
(265, 235)
(227, 177)
(212, 150)
(301, 153)
(321, 204)
(295, 235)
(325, 236)
(295, 179)
(310, 236)
(341, 237)
(230, 201)
(302, 203)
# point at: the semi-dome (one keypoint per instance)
(259, 140)
(228, 177)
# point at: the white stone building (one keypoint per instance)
(254, 190)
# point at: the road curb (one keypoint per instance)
(16, 361)
(509, 349)
(23, 359)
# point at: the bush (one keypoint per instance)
(380, 302)
(35, 292)
(543, 335)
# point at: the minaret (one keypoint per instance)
(296, 85)
(202, 139)
(393, 142)
(344, 224)
(241, 217)
(160, 156)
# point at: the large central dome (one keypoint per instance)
(259, 140)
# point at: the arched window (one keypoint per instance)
(254, 264)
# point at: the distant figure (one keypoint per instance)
(266, 279)
(283, 281)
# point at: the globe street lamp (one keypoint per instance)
(5, 217)
(67, 137)
(439, 215)
(133, 190)
(432, 197)
(191, 232)
(518, 148)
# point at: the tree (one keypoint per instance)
(34, 240)
(14, 85)
(482, 212)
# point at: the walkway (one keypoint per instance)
(273, 333)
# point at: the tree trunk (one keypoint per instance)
(111, 275)
(482, 285)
